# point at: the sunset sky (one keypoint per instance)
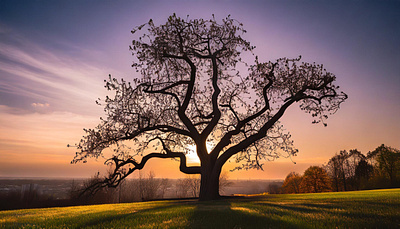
(54, 56)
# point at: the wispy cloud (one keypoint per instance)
(40, 105)
(47, 97)
(41, 76)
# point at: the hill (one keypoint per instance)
(359, 209)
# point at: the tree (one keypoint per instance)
(292, 183)
(193, 182)
(149, 187)
(182, 187)
(165, 184)
(345, 172)
(334, 169)
(387, 162)
(315, 179)
(105, 195)
(194, 87)
(363, 172)
(224, 181)
(342, 169)
(357, 168)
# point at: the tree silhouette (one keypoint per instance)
(335, 169)
(387, 162)
(342, 170)
(195, 89)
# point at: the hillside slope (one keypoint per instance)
(361, 209)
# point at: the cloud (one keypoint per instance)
(40, 105)
(47, 97)
(33, 73)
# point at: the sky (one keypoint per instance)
(55, 55)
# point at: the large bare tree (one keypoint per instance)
(195, 89)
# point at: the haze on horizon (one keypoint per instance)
(55, 55)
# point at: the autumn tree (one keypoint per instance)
(197, 86)
(292, 183)
(315, 179)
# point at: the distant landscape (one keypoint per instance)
(16, 193)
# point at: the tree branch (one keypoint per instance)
(216, 112)
(241, 123)
(120, 174)
(255, 137)
(189, 92)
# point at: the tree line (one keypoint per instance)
(144, 188)
(348, 171)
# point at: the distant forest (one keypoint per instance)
(39, 193)
(348, 171)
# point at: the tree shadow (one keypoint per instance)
(331, 211)
(235, 213)
(221, 214)
(98, 221)
(103, 221)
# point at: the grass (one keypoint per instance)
(361, 209)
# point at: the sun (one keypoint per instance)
(192, 157)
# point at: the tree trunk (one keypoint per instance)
(209, 186)
(344, 182)
(337, 183)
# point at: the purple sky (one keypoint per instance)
(54, 56)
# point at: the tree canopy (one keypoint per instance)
(195, 88)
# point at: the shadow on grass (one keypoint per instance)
(221, 214)
(250, 213)
(105, 219)
(237, 213)
(213, 214)
(98, 221)
(129, 219)
(358, 214)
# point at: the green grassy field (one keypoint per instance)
(362, 209)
